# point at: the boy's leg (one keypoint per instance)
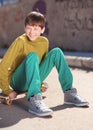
(26, 77)
(56, 58)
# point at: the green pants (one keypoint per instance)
(30, 74)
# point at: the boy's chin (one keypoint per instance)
(32, 39)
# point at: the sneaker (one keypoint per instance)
(38, 107)
(71, 97)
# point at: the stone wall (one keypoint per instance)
(69, 22)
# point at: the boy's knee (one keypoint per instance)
(58, 50)
(32, 55)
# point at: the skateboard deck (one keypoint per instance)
(6, 100)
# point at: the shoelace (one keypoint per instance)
(77, 96)
(41, 105)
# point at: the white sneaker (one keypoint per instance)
(71, 97)
(38, 107)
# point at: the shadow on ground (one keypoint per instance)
(11, 115)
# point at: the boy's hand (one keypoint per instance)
(44, 87)
(13, 95)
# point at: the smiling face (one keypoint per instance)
(34, 25)
(33, 31)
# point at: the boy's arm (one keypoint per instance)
(8, 65)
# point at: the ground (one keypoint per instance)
(65, 117)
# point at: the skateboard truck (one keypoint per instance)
(6, 100)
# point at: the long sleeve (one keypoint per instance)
(8, 65)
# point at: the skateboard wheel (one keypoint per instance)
(8, 101)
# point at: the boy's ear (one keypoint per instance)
(43, 30)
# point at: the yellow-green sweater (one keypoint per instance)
(16, 53)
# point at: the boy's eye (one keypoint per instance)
(35, 29)
(28, 28)
(32, 28)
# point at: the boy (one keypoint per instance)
(27, 63)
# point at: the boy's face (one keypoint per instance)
(33, 32)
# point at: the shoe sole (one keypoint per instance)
(43, 114)
(78, 105)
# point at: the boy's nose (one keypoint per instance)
(31, 31)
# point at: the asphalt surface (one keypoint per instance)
(65, 117)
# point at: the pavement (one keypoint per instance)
(65, 117)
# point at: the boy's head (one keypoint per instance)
(34, 25)
(35, 19)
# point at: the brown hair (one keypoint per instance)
(35, 18)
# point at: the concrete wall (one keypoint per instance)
(69, 22)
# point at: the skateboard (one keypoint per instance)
(6, 100)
